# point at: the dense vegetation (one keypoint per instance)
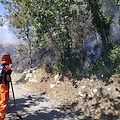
(63, 26)
(75, 38)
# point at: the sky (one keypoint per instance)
(6, 36)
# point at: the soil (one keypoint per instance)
(89, 98)
(30, 105)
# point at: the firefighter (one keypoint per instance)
(5, 78)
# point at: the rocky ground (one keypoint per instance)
(96, 99)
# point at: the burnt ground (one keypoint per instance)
(88, 99)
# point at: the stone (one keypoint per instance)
(28, 75)
(32, 80)
(52, 85)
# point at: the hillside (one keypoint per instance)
(71, 52)
(94, 98)
(8, 48)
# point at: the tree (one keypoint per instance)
(102, 21)
(20, 18)
(61, 25)
(55, 23)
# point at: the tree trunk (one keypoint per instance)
(29, 48)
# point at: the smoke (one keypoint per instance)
(110, 7)
(92, 49)
(93, 46)
(6, 36)
(115, 29)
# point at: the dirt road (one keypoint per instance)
(32, 106)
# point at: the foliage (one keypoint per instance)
(107, 65)
(63, 25)
(19, 17)
(22, 50)
(115, 58)
(57, 24)
(55, 21)
(101, 22)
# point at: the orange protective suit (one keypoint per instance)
(4, 97)
(4, 86)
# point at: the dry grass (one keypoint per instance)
(102, 104)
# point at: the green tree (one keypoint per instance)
(22, 50)
(107, 65)
(55, 23)
(61, 25)
(19, 17)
